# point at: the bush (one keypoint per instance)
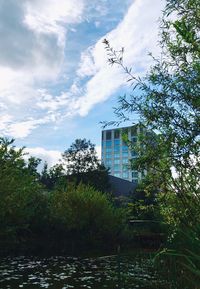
(85, 214)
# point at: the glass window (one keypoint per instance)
(125, 148)
(102, 135)
(116, 133)
(125, 168)
(117, 149)
(108, 162)
(116, 142)
(108, 134)
(108, 149)
(116, 161)
(124, 161)
(116, 167)
(125, 154)
(117, 174)
(108, 143)
(108, 154)
(116, 154)
(125, 175)
(134, 174)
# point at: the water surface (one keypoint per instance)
(68, 272)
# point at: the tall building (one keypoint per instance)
(116, 155)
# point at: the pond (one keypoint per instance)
(70, 272)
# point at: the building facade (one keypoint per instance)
(115, 153)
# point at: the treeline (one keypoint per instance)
(62, 209)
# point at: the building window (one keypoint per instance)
(108, 135)
(117, 149)
(108, 154)
(108, 143)
(108, 149)
(125, 168)
(124, 161)
(108, 162)
(125, 148)
(116, 142)
(133, 130)
(125, 175)
(116, 161)
(116, 154)
(116, 167)
(125, 154)
(116, 134)
(134, 174)
(117, 174)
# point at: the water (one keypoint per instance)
(90, 273)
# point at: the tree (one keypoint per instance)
(85, 214)
(81, 157)
(53, 177)
(82, 165)
(20, 193)
(167, 100)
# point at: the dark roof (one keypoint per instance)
(121, 187)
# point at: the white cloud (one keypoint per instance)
(33, 39)
(87, 64)
(138, 33)
(52, 157)
(34, 35)
(5, 120)
(19, 129)
(98, 149)
(23, 128)
(46, 16)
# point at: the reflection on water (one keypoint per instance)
(92, 273)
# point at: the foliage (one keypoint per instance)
(183, 260)
(80, 157)
(53, 177)
(167, 100)
(86, 212)
(19, 191)
(34, 207)
(82, 165)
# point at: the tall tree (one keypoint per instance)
(81, 157)
(167, 100)
(82, 165)
(20, 192)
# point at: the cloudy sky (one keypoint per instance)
(55, 81)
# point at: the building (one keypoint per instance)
(116, 154)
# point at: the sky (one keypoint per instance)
(55, 81)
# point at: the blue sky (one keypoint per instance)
(56, 84)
